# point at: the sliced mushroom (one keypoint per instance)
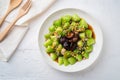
(75, 39)
(70, 35)
(76, 33)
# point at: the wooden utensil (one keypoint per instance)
(13, 4)
(24, 10)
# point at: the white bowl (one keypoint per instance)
(79, 65)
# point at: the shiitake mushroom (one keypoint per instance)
(69, 41)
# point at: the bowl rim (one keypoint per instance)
(85, 13)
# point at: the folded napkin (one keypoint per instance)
(9, 45)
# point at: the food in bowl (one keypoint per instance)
(70, 40)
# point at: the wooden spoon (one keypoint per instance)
(13, 4)
(23, 11)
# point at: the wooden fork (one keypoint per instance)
(24, 10)
(12, 5)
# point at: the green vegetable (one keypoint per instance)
(59, 30)
(90, 41)
(53, 38)
(53, 56)
(86, 55)
(89, 49)
(72, 60)
(66, 62)
(59, 47)
(66, 25)
(67, 54)
(75, 17)
(47, 36)
(73, 24)
(63, 33)
(88, 33)
(82, 35)
(65, 19)
(76, 51)
(48, 42)
(79, 57)
(60, 60)
(49, 49)
(57, 23)
(52, 28)
(55, 43)
(83, 24)
(80, 43)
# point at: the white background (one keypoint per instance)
(28, 64)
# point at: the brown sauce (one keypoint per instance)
(90, 27)
(56, 60)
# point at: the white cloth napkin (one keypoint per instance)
(9, 45)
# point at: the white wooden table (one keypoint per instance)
(28, 64)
